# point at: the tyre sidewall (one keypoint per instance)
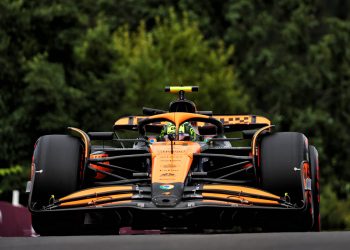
(56, 169)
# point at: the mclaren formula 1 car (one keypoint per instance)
(184, 170)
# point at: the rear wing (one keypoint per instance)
(231, 122)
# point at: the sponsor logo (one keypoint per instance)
(167, 174)
(169, 166)
(166, 187)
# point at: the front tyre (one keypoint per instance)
(282, 155)
(281, 165)
(56, 174)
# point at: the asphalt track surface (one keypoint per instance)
(256, 241)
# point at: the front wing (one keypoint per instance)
(212, 206)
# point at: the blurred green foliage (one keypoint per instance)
(84, 63)
(13, 178)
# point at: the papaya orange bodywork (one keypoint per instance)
(114, 203)
(240, 189)
(94, 201)
(239, 199)
(96, 191)
(173, 167)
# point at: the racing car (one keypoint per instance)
(176, 169)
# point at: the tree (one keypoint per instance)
(175, 51)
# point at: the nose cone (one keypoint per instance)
(167, 195)
(171, 164)
(170, 170)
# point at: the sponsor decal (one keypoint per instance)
(167, 174)
(152, 140)
(169, 166)
(169, 170)
(166, 186)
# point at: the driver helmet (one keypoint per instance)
(186, 132)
